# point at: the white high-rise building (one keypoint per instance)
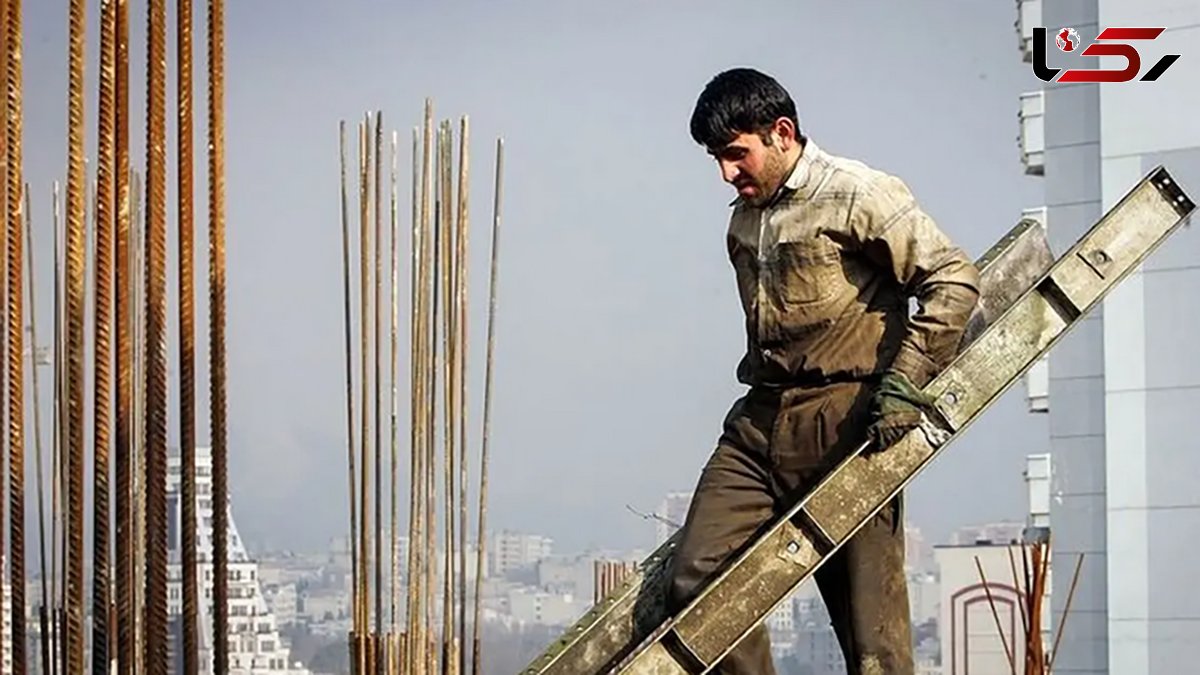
(255, 647)
(1122, 387)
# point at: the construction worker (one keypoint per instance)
(827, 253)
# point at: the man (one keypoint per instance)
(827, 253)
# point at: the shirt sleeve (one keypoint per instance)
(890, 228)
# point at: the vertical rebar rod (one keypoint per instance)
(364, 382)
(75, 260)
(414, 651)
(137, 326)
(445, 262)
(124, 445)
(216, 277)
(5, 206)
(102, 332)
(15, 330)
(481, 536)
(352, 542)
(156, 346)
(461, 296)
(57, 552)
(377, 200)
(187, 338)
(47, 662)
(429, 283)
(395, 305)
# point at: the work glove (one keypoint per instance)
(896, 408)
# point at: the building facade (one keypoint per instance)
(1121, 386)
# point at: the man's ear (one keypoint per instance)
(786, 131)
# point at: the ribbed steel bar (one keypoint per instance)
(7, 48)
(187, 339)
(75, 247)
(123, 448)
(102, 335)
(460, 299)
(156, 654)
(481, 537)
(137, 271)
(350, 445)
(16, 362)
(216, 272)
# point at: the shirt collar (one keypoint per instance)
(800, 180)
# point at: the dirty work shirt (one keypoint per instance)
(823, 268)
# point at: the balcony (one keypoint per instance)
(1029, 16)
(1033, 133)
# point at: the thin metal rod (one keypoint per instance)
(1062, 622)
(353, 541)
(446, 227)
(414, 629)
(481, 535)
(44, 610)
(102, 331)
(377, 353)
(364, 351)
(187, 339)
(429, 283)
(461, 296)
(216, 289)
(395, 297)
(987, 589)
(57, 549)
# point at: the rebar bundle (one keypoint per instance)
(434, 637)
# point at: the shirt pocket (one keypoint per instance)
(809, 271)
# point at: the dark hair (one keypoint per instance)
(740, 101)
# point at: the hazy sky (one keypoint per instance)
(619, 327)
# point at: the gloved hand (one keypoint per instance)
(896, 407)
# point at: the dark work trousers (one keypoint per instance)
(774, 447)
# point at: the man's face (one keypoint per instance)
(754, 168)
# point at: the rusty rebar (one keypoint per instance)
(75, 261)
(156, 654)
(6, 51)
(364, 353)
(102, 332)
(187, 339)
(124, 361)
(217, 374)
(481, 535)
(15, 327)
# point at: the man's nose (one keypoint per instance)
(729, 171)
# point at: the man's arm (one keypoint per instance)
(891, 229)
